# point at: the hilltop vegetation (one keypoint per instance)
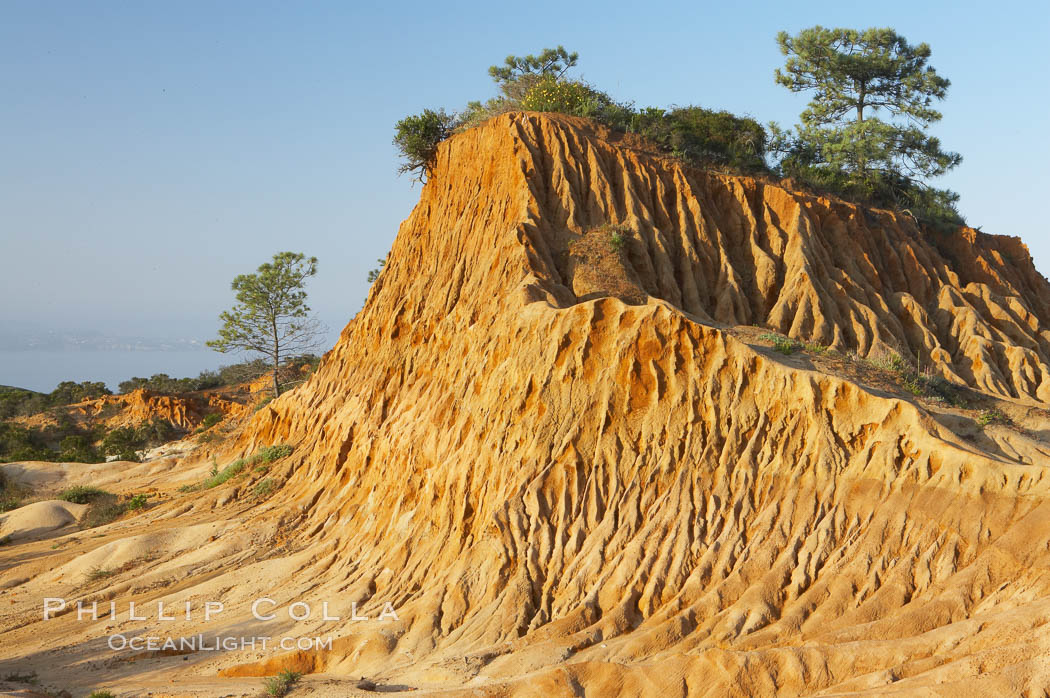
(19, 401)
(703, 137)
(867, 159)
(233, 374)
(842, 144)
(61, 437)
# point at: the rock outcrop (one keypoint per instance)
(185, 411)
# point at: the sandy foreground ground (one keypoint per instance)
(44, 542)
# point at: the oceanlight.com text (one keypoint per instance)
(216, 643)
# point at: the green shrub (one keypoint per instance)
(227, 473)
(272, 453)
(893, 363)
(232, 374)
(241, 372)
(78, 449)
(563, 96)
(218, 477)
(96, 573)
(477, 113)
(126, 442)
(83, 494)
(417, 138)
(132, 384)
(919, 384)
(705, 137)
(211, 420)
(801, 161)
(785, 346)
(103, 506)
(264, 487)
(101, 694)
(280, 685)
(262, 403)
(10, 494)
(155, 432)
(701, 137)
(63, 441)
(104, 509)
(71, 392)
(19, 443)
(160, 383)
(782, 344)
(942, 390)
(16, 402)
(993, 416)
(373, 274)
(139, 501)
(122, 442)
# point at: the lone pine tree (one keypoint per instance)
(271, 316)
(872, 96)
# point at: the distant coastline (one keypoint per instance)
(43, 369)
(67, 341)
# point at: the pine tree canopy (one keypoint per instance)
(872, 101)
(271, 316)
(552, 62)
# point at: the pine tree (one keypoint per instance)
(519, 73)
(871, 106)
(271, 316)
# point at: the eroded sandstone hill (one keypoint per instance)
(571, 479)
(185, 411)
(555, 473)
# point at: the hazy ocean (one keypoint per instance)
(43, 370)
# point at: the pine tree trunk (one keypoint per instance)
(860, 119)
(276, 357)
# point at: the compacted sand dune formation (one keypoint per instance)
(557, 462)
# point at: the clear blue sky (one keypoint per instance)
(150, 151)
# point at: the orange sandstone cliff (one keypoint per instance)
(571, 477)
